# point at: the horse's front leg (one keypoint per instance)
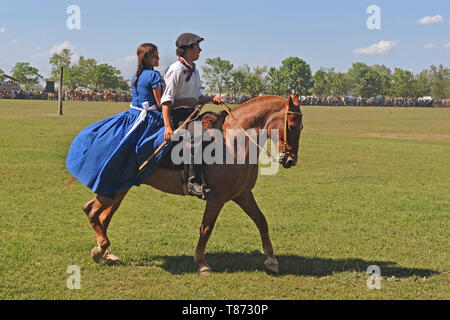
(212, 210)
(248, 203)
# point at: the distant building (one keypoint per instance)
(8, 83)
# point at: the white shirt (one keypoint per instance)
(177, 87)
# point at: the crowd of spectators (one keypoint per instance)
(10, 92)
(358, 101)
(375, 101)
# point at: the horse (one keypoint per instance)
(228, 182)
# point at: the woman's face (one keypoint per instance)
(153, 59)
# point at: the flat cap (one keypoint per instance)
(187, 39)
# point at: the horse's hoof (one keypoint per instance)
(111, 260)
(204, 271)
(271, 264)
(97, 254)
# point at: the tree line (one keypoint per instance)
(85, 73)
(294, 75)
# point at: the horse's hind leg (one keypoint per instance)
(209, 219)
(105, 219)
(248, 203)
(104, 207)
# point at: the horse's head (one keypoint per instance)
(288, 121)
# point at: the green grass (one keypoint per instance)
(371, 188)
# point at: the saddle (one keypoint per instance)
(210, 120)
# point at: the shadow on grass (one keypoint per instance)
(288, 264)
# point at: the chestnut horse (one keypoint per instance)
(226, 181)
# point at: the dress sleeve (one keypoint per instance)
(172, 83)
(155, 79)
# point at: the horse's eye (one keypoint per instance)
(291, 128)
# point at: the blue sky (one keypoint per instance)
(324, 33)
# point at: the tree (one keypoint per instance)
(26, 74)
(57, 60)
(85, 66)
(1, 71)
(365, 81)
(217, 74)
(440, 82)
(296, 75)
(254, 81)
(237, 82)
(105, 76)
(74, 77)
(385, 79)
(423, 83)
(338, 84)
(275, 82)
(404, 84)
(321, 87)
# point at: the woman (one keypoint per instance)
(106, 155)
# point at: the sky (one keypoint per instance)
(409, 34)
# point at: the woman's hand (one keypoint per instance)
(168, 134)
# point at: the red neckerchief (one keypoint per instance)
(189, 71)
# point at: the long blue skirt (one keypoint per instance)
(103, 159)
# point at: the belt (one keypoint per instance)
(145, 107)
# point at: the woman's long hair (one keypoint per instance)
(144, 50)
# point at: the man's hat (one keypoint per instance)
(187, 40)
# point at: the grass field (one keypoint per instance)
(372, 187)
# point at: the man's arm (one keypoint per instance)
(166, 106)
(214, 99)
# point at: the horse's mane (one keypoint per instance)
(260, 101)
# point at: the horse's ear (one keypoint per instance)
(293, 100)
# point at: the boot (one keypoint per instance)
(194, 184)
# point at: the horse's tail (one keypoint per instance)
(70, 182)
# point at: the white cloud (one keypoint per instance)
(447, 45)
(14, 41)
(381, 47)
(430, 46)
(430, 20)
(130, 59)
(58, 48)
(2, 30)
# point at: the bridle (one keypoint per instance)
(284, 152)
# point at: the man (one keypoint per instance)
(183, 82)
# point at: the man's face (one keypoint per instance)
(194, 52)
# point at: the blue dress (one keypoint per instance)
(106, 155)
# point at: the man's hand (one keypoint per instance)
(217, 100)
(168, 134)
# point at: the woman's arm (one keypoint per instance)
(157, 93)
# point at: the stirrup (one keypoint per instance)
(193, 189)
